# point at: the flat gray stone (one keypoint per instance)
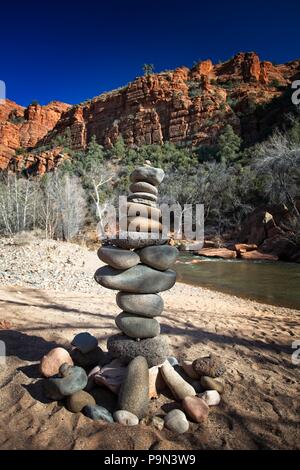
(118, 258)
(140, 279)
(138, 240)
(159, 257)
(136, 326)
(176, 421)
(147, 196)
(134, 393)
(143, 187)
(147, 305)
(155, 350)
(85, 342)
(97, 412)
(149, 174)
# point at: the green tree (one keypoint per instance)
(94, 152)
(229, 144)
(148, 69)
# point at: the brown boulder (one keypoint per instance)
(217, 253)
(257, 255)
(243, 247)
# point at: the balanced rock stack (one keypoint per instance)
(138, 267)
(117, 385)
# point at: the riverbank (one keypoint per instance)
(47, 295)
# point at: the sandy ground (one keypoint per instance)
(261, 404)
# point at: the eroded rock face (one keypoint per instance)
(177, 106)
(25, 128)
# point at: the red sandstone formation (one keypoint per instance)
(23, 128)
(217, 253)
(186, 106)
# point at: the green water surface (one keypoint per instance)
(276, 283)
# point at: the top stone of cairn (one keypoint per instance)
(147, 174)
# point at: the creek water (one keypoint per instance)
(275, 283)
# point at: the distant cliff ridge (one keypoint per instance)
(185, 106)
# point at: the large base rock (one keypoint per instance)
(155, 350)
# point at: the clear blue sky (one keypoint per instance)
(71, 51)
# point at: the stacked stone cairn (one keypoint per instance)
(117, 385)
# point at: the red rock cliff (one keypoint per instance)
(187, 106)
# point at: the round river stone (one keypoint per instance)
(134, 210)
(90, 359)
(142, 224)
(139, 240)
(85, 342)
(74, 379)
(212, 384)
(134, 393)
(97, 412)
(79, 400)
(147, 196)
(155, 350)
(196, 408)
(136, 326)
(51, 363)
(176, 421)
(149, 174)
(147, 305)
(140, 279)
(142, 200)
(143, 187)
(126, 418)
(159, 257)
(118, 258)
